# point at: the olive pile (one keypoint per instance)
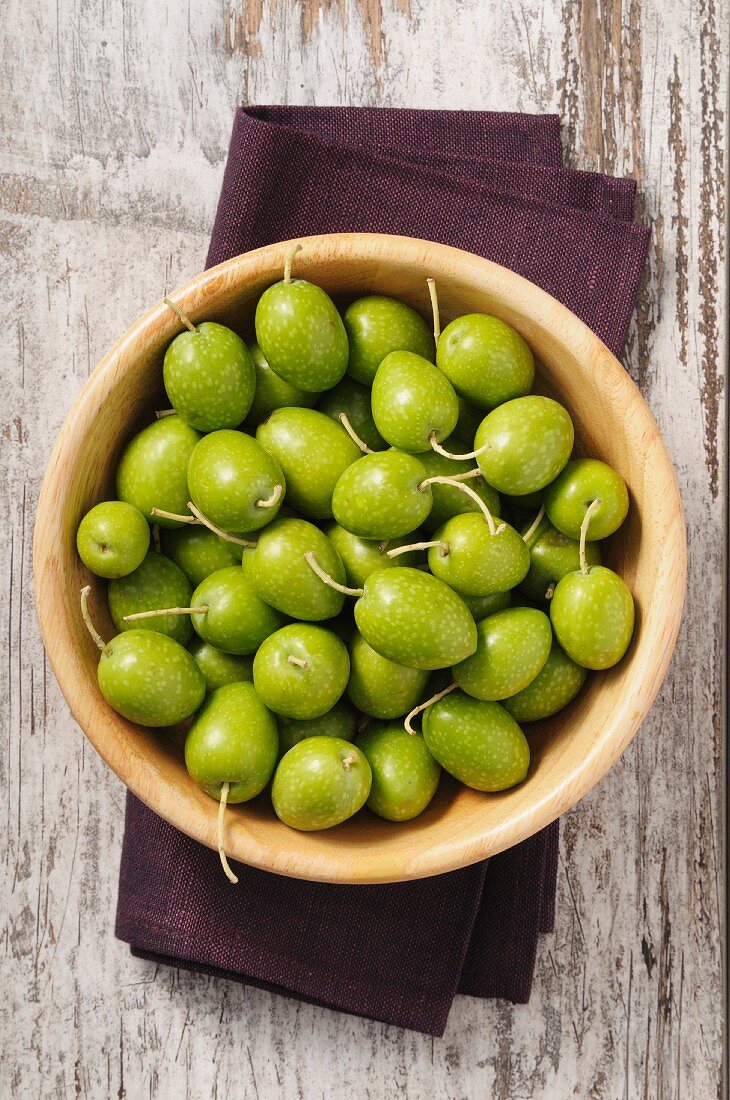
(355, 522)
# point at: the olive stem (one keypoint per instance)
(348, 759)
(217, 530)
(550, 590)
(584, 532)
(449, 454)
(221, 852)
(297, 661)
(467, 475)
(493, 530)
(422, 706)
(431, 284)
(419, 546)
(269, 502)
(160, 413)
(382, 546)
(535, 524)
(167, 611)
(345, 421)
(327, 579)
(173, 515)
(183, 316)
(288, 262)
(89, 625)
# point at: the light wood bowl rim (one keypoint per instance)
(312, 856)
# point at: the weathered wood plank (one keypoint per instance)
(113, 135)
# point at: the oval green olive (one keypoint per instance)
(528, 442)
(377, 325)
(593, 617)
(512, 647)
(155, 584)
(556, 684)
(301, 670)
(379, 496)
(149, 678)
(284, 579)
(319, 783)
(475, 562)
(153, 469)
(485, 359)
(301, 335)
(381, 687)
(415, 619)
(405, 775)
(478, 742)
(232, 479)
(413, 402)
(583, 481)
(237, 619)
(232, 740)
(313, 451)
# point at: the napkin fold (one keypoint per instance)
(491, 183)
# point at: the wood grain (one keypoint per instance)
(113, 133)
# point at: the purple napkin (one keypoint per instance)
(493, 184)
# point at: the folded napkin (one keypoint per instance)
(493, 184)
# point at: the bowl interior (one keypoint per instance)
(569, 752)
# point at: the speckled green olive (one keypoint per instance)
(475, 562)
(283, 578)
(209, 377)
(378, 497)
(512, 647)
(273, 392)
(530, 440)
(485, 359)
(381, 687)
(231, 479)
(352, 399)
(157, 583)
(301, 670)
(340, 721)
(232, 740)
(113, 538)
(415, 619)
(361, 557)
(319, 783)
(220, 668)
(301, 334)
(405, 775)
(582, 481)
(481, 606)
(376, 326)
(593, 617)
(237, 619)
(412, 401)
(153, 470)
(552, 555)
(556, 684)
(313, 451)
(477, 742)
(449, 501)
(149, 678)
(199, 552)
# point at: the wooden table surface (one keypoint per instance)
(115, 120)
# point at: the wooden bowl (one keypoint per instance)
(570, 753)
